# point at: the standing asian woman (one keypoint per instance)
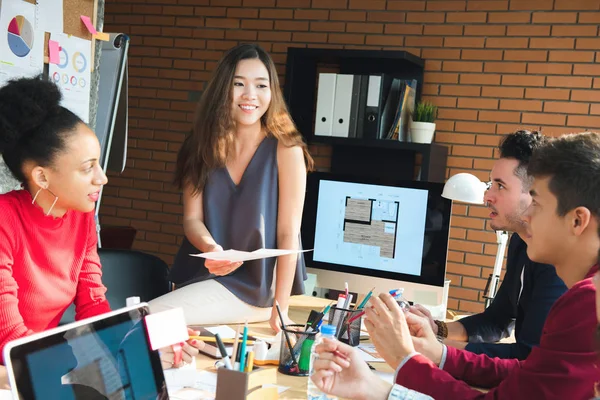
(242, 171)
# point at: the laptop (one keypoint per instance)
(104, 357)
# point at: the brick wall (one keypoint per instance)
(491, 65)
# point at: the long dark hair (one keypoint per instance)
(211, 141)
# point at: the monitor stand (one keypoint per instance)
(435, 298)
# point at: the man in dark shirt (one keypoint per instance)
(529, 289)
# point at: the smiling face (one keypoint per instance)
(75, 176)
(507, 197)
(251, 92)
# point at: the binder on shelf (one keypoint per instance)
(361, 107)
(325, 103)
(342, 105)
(376, 96)
(357, 92)
(408, 106)
(391, 109)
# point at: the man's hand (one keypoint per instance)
(220, 267)
(424, 339)
(388, 329)
(421, 311)
(339, 370)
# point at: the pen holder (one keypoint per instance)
(237, 385)
(349, 334)
(301, 342)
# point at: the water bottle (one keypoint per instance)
(313, 392)
(402, 302)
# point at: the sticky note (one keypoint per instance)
(102, 36)
(166, 328)
(88, 24)
(53, 52)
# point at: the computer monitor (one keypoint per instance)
(376, 232)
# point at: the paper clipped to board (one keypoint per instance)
(240, 256)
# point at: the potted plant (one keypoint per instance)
(422, 125)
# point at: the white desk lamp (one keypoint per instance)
(468, 188)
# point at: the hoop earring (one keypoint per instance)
(53, 204)
(36, 195)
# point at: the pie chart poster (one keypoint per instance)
(73, 73)
(21, 44)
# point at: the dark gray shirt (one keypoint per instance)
(241, 217)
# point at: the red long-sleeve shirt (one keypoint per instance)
(564, 366)
(46, 263)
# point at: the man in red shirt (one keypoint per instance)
(564, 231)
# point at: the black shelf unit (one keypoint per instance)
(358, 156)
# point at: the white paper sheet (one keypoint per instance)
(223, 330)
(73, 74)
(49, 15)
(280, 389)
(174, 320)
(21, 43)
(238, 255)
(369, 354)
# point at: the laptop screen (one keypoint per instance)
(108, 358)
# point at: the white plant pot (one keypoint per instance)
(422, 132)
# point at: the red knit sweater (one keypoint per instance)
(46, 263)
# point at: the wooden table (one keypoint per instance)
(300, 307)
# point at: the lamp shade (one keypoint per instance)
(466, 188)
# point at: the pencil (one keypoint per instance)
(243, 347)
(235, 343)
(250, 365)
(367, 297)
(226, 341)
(287, 339)
(393, 292)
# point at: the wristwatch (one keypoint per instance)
(442, 329)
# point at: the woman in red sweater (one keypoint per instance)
(48, 254)
(563, 222)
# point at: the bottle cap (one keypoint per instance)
(328, 329)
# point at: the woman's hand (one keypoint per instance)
(190, 349)
(275, 322)
(220, 267)
(339, 370)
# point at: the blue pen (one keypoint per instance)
(243, 348)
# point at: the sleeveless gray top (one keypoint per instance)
(242, 217)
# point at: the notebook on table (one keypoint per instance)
(104, 357)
